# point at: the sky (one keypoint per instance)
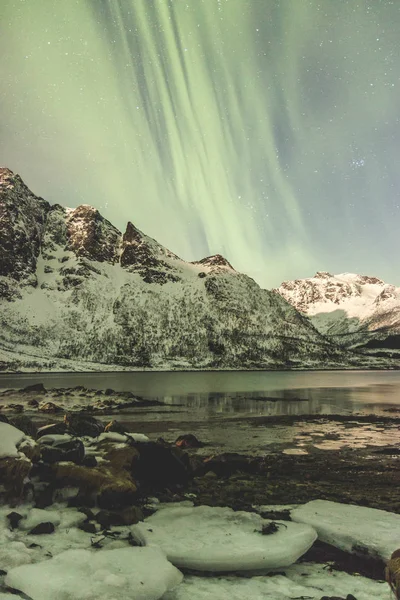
(264, 130)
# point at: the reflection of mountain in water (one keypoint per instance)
(309, 401)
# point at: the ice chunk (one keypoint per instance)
(218, 539)
(352, 528)
(36, 516)
(9, 438)
(300, 581)
(123, 574)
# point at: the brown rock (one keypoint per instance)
(113, 488)
(13, 473)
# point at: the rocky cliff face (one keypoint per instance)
(75, 292)
(352, 310)
(22, 218)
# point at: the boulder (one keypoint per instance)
(128, 516)
(115, 426)
(13, 475)
(188, 440)
(43, 528)
(54, 428)
(13, 519)
(160, 466)
(111, 487)
(83, 425)
(57, 448)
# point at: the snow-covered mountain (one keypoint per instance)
(75, 293)
(353, 310)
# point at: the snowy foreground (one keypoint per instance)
(71, 564)
(63, 553)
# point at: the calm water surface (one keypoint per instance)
(215, 406)
(230, 392)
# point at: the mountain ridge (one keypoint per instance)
(82, 292)
(355, 311)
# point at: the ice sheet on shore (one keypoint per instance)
(218, 539)
(352, 528)
(15, 546)
(9, 438)
(300, 581)
(123, 574)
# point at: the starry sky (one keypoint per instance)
(264, 130)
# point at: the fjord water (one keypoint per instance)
(236, 392)
(226, 409)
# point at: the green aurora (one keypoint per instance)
(264, 130)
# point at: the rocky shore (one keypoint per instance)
(62, 461)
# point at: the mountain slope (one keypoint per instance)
(76, 292)
(353, 310)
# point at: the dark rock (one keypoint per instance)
(83, 425)
(53, 429)
(348, 597)
(71, 450)
(38, 388)
(160, 466)
(89, 461)
(115, 426)
(25, 424)
(43, 528)
(113, 498)
(33, 403)
(14, 519)
(188, 440)
(3, 418)
(44, 497)
(88, 512)
(109, 392)
(82, 501)
(128, 516)
(88, 527)
(17, 408)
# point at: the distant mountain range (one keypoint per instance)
(77, 294)
(354, 311)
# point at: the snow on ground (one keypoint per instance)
(206, 538)
(9, 438)
(123, 574)
(351, 527)
(66, 565)
(299, 581)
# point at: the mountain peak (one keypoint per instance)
(215, 260)
(91, 235)
(5, 175)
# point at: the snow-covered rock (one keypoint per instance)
(355, 529)
(123, 573)
(218, 539)
(10, 437)
(353, 310)
(81, 292)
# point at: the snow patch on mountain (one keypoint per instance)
(346, 304)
